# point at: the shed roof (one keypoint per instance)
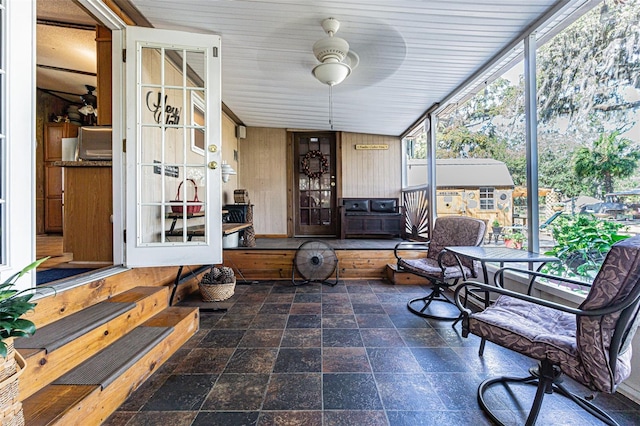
(472, 172)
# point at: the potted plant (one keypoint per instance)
(496, 227)
(13, 305)
(514, 239)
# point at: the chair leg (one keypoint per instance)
(586, 405)
(483, 341)
(547, 377)
(436, 295)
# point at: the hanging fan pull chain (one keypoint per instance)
(331, 107)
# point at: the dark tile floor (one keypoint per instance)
(345, 355)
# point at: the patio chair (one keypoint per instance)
(442, 269)
(590, 344)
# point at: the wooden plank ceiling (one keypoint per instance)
(413, 53)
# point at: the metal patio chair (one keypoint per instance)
(591, 343)
(442, 269)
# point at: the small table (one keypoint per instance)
(500, 255)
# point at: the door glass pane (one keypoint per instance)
(196, 69)
(173, 175)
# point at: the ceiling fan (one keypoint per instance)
(336, 60)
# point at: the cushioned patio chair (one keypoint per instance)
(442, 269)
(591, 343)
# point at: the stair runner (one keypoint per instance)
(104, 367)
(65, 330)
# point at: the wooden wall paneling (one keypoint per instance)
(264, 174)
(229, 145)
(290, 186)
(255, 264)
(371, 173)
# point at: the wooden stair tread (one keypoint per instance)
(63, 404)
(43, 368)
(51, 403)
(65, 330)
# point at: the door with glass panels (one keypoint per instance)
(315, 179)
(173, 157)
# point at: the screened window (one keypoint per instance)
(487, 198)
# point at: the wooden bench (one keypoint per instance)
(371, 216)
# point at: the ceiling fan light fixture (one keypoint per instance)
(331, 51)
(331, 73)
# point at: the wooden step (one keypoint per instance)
(48, 359)
(401, 277)
(83, 404)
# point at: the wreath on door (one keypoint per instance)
(306, 160)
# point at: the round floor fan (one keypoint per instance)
(315, 261)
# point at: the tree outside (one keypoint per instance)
(611, 157)
(588, 91)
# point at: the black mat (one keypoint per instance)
(55, 274)
(108, 364)
(63, 331)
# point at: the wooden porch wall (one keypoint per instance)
(256, 264)
(262, 171)
(371, 172)
(229, 145)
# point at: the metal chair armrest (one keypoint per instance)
(576, 311)
(498, 278)
(410, 245)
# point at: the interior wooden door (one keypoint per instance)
(315, 182)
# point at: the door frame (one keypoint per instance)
(291, 178)
(112, 21)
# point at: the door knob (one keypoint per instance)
(213, 165)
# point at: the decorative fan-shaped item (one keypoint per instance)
(315, 261)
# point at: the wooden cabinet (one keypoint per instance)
(88, 203)
(53, 134)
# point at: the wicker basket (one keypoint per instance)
(217, 292)
(11, 413)
(8, 363)
(190, 209)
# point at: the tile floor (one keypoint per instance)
(345, 355)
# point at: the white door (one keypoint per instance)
(17, 139)
(173, 212)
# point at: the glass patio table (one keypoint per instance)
(500, 255)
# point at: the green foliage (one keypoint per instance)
(458, 141)
(515, 235)
(611, 157)
(581, 76)
(587, 85)
(13, 304)
(582, 242)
